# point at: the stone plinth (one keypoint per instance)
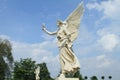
(67, 78)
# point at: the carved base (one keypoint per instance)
(59, 78)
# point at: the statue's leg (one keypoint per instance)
(62, 67)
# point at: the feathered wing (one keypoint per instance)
(73, 21)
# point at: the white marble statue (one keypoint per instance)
(37, 72)
(66, 34)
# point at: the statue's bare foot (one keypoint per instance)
(62, 76)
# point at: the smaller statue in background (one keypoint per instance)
(37, 72)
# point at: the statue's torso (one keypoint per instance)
(61, 34)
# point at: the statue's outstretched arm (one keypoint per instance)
(48, 32)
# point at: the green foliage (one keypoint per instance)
(94, 78)
(102, 77)
(24, 70)
(2, 69)
(6, 59)
(44, 73)
(110, 77)
(81, 77)
(76, 75)
(85, 77)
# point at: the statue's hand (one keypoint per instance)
(43, 26)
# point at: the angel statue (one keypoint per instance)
(66, 34)
(37, 72)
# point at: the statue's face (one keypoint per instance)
(62, 24)
(59, 23)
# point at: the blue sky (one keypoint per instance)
(97, 46)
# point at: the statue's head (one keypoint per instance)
(62, 23)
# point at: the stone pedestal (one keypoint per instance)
(67, 78)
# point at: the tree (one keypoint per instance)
(94, 78)
(102, 77)
(24, 70)
(44, 73)
(81, 77)
(76, 75)
(110, 77)
(85, 77)
(6, 59)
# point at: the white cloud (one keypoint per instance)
(101, 57)
(91, 6)
(108, 42)
(35, 51)
(110, 8)
(4, 37)
(103, 61)
(40, 52)
(99, 62)
(53, 64)
(101, 65)
(91, 64)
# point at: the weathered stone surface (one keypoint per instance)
(66, 34)
(67, 78)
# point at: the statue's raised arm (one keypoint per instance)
(48, 32)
